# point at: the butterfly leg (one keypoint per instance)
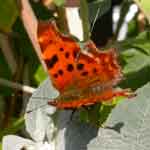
(72, 114)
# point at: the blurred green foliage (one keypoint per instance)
(8, 15)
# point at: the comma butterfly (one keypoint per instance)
(83, 76)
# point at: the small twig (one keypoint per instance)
(7, 52)
(84, 17)
(18, 86)
(62, 20)
(25, 80)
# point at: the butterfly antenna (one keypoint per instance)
(101, 9)
(95, 19)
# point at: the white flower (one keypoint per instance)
(39, 124)
(12, 142)
(37, 127)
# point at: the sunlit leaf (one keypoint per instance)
(40, 74)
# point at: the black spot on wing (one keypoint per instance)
(67, 54)
(60, 72)
(94, 70)
(55, 75)
(61, 49)
(85, 73)
(70, 67)
(80, 66)
(51, 62)
(75, 52)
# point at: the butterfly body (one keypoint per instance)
(83, 77)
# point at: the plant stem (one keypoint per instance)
(8, 52)
(85, 20)
(17, 86)
(62, 20)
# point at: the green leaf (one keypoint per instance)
(16, 126)
(136, 54)
(98, 8)
(8, 15)
(136, 79)
(142, 41)
(132, 28)
(40, 74)
(135, 57)
(135, 60)
(59, 2)
(98, 114)
(105, 112)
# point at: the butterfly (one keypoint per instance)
(83, 76)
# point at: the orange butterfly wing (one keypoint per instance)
(108, 94)
(66, 70)
(59, 53)
(73, 69)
